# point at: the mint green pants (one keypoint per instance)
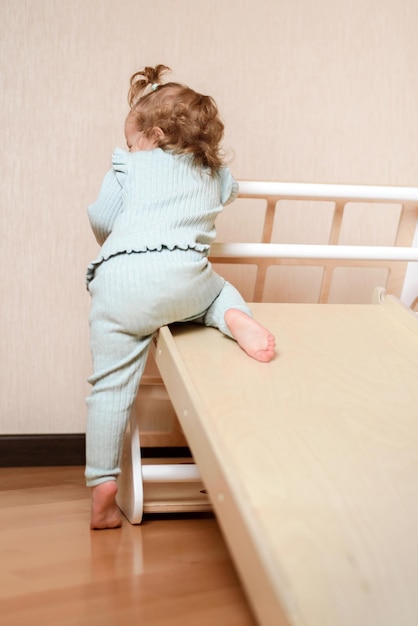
(132, 296)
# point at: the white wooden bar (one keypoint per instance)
(170, 473)
(310, 461)
(326, 191)
(230, 251)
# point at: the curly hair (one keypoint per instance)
(189, 121)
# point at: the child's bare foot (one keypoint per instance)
(252, 337)
(104, 510)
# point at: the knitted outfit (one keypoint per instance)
(155, 220)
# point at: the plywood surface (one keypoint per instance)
(311, 461)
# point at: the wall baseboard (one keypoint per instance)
(58, 450)
(42, 450)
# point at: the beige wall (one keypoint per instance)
(310, 90)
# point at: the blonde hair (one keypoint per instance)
(189, 121)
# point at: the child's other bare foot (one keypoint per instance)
(251, 336)
(104, 510)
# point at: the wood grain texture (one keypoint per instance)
(310, 461)
(54, 570)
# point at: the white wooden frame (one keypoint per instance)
(333, 254)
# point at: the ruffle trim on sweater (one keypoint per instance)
(91, 269)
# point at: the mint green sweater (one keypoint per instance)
(154, 199)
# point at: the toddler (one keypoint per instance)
(155, 220)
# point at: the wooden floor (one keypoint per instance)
(54, 570)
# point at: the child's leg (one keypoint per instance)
(120, 335)
(232, 316)
(118, 370)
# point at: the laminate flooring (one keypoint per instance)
(55, 571)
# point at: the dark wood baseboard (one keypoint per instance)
(42, 450)
(58, 450)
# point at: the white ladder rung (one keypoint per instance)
(166, 473)
(312, 251)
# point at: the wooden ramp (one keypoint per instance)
(310, 461)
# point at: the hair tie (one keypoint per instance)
(154, 86)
